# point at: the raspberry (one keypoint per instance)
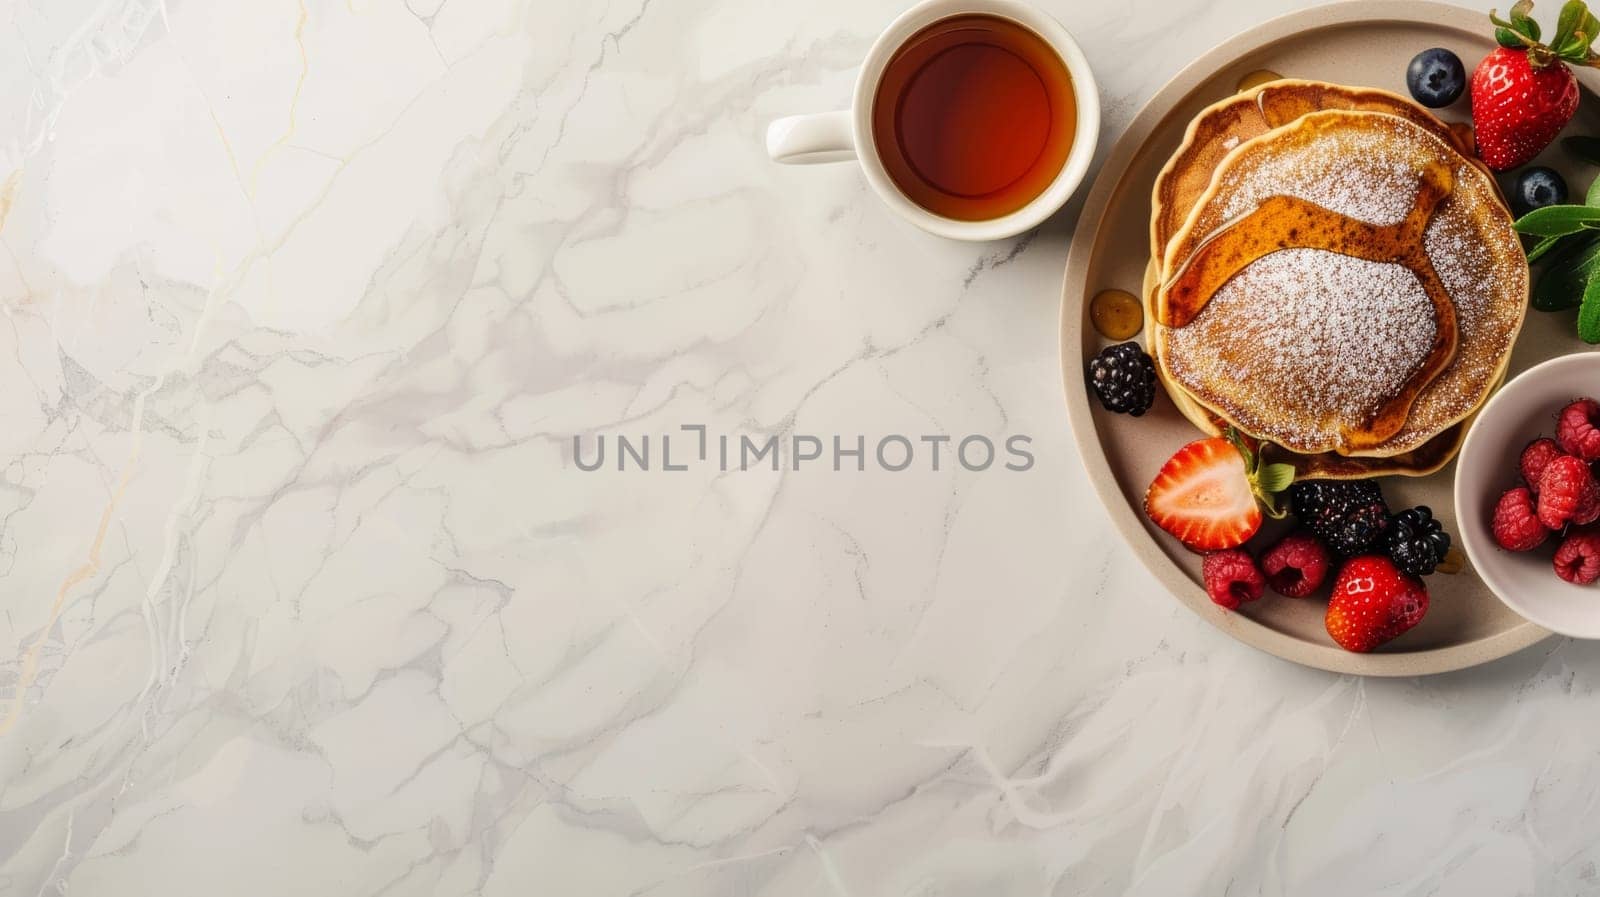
(1578, 558)
(1575, 429)
(1534, 458)
(1568, 493)
(1296, 566)
(1232, 577)
(1516, 525)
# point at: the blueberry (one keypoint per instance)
(1536, 188)
(1436, 77)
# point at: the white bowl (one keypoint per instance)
(1523, 410)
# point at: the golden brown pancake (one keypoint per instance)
(1426, 459)
(1221, 127)
(1314, 300)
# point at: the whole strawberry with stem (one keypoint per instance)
(1523, 94)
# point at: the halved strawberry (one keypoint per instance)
(1206, 493)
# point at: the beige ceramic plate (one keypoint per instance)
(1360, 43)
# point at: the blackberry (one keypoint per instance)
(1124, 378)
(1415, 541)
(1347, 515)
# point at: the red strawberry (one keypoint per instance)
(1523, 94)
(1372, 603)
(1517, 109)
(1206, 493)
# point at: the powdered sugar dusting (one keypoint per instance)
(1481, 267)
(1353, 172)
(1458, 251)
(1317, 341)
(1469, 242)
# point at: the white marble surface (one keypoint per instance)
(300, 592)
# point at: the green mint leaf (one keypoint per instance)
(1592, 198)
(1566, 276)
(1589, 312)
(1545, 244)
(1555, 221)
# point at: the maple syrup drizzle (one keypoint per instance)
(1288, 222)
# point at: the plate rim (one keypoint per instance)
(1086, 435)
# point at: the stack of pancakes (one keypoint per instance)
(1335, 274)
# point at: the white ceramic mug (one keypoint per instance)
(837, 136)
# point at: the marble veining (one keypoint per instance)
(302, 593)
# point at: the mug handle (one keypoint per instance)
(808, 139)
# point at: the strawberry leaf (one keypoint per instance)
(1576, 49)
(1517, 33)
(1266, 480)
(1275, 478)
(1271, 508)
(1509, 39)
(1574, 32)
(1571, 14)
(1588, 27)
(1250, 459)
(1521, 14)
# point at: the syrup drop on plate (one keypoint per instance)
(1117, 314)
(1258, 78)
